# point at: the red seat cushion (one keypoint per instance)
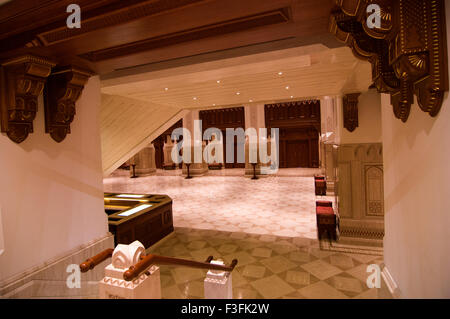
(320, 210)
(323, 203)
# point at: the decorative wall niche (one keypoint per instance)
(22, 81)
(63, 89)
(350, 110)
(408, 51)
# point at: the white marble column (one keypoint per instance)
(330, 107)
(198, 165)
(145, 161)
(167, 150)
(254, 118)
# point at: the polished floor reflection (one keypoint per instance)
(282, 205)
(269, 267)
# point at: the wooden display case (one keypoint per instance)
(143, 217)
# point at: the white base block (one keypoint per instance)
(218, 284)
(144, 287)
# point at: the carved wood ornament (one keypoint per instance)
(350, 110)
(408, 51)
(63, 89)
(22, 81)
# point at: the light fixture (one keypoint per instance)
(130, 196)
(167, 89)
(287, 87)
(250, 101)
(280, 73)
(218, 81)
(195, 98)
(134, 210)
(292, 96)
(214, 104)
(238, 93)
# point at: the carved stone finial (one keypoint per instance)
(350, 110)
(408, 50)
(22, 81)
(63, 90)
(125, 256)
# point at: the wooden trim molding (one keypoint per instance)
(63, 89)
(408, 51)
(22, 81)
(350, 110)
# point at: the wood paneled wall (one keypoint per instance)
(223, 119)
(299, 124)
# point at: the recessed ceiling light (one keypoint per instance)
(218, 81)
(250, 101)
(167, 89)
(238, 93)
(214, 104)
(292, 96)
(287, 87)
(195, 98)
(280, 73)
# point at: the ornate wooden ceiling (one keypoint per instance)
(117, 34)
(407, 50)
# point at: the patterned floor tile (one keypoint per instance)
(321, 290)
(321, 269)
(298, 277)
(278, 264)
(272, 287)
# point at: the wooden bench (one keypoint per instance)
(326, 219)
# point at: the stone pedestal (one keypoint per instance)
(167, 149)
(145, 161)
(218, 284)
(196, 169)
(113, 286)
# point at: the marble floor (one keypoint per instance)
(281, 205)
(269, 267)
(269, 225)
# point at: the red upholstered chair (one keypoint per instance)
(326, 219)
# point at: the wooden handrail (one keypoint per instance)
(147, 261)
(97, 259)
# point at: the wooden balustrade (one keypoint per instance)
(148, 260)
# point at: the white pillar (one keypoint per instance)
(254, 118)
(195, 169)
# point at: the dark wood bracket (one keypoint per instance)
(22, 81)
(350, 110)
(407, 50)
(64, 87)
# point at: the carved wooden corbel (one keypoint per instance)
(350, 110)
(64, 87)
(22, 81)
(408, 50)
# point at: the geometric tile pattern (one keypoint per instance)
(274, 205)
(282, 267)
(269, 225)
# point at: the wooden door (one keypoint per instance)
(297, 154)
